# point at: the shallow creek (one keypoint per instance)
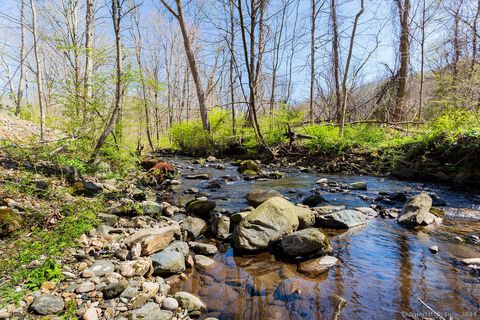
(385, 271)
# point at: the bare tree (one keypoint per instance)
(191, 60)
(38, 69)
(89, 24)
(22, 60)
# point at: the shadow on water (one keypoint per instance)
(384, 271)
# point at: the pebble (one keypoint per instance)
(91, 314)
(434, 249)
(85, 287)
(170, 304)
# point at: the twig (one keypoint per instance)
(433, 311)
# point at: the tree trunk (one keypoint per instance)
(88, 92)
(347, 67)
(38, 70)
(335, 58)
(116, 19)
(404, 49)
(312, 58)
(232, 62)
(22, 61)
(422, 60)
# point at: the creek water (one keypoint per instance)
(386, 271)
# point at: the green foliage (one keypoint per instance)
(33, 260)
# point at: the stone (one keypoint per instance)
(359, 185)
(200, 176)
(85, 287)
(178, 246)
(257, 197)
(211, 159)
(249, 165)
(267, 224)
(322, 181)
(221, 226)
(472, 261)
(237, 217)
(90, 314)
(168, 263)
(114, 289)
(416, 212)
(342, 219)
(369, 212)
(170, 303)
(10, 221)
(315, 267)
(314, 200)
(190, 302)
(134, 268)
(322, 210)
(151, 288)
(129, 293)
(203, 248)
(102, 267)
(433, 249)
(153, 239)
(87, 188)
(122, 254)
(194, 226)
(306, 217)
(152, 209)
(201, 207)
(203, 262)
(151, 311)
(306, 242)
(108, 219)
(47, 304)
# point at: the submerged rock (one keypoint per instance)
(265, 225)
(342, 219)
(257, 197)
(306, 242)
(416, 212)
(314, 200)
(315, 267)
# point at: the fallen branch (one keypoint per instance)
(426, 305)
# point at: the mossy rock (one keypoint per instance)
(250, 173)
(10, 221)
(249, 165)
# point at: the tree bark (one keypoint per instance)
(335, 58)
(38, 70)
(312, 58)
(404, 50)
(22, 61)
(88, 89)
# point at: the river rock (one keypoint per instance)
(416, 212)
(237, 217)
(200, 176)
(134, 268)
(170, 303)
(267, 224)
(194, 226)
(342, 219)
(257, 197)
(221, 226)
(108, 219)
(152, 209)
(306, 217)
(90, 314)
(201, 207)
(249, 165)
(306, 242)
(315, 267)
(114, 289)
(190, 302)
(153, 239)
(102, 267)
(203, 248)
(359, 185)
(151, 311)
(47, 304)
(85, 287)
(178, 246)
(168, 263)
(314, 200)
(203, 262)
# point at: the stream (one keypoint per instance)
(386, 270)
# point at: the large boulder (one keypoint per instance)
(257, 197)
(201, 207)
(194, 226)
(166, 263)
(416, 212)
(342, 219)
(265, 225)
(315, 267)
(306, 242)
(306, 217)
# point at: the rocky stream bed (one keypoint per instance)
(273, 243)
